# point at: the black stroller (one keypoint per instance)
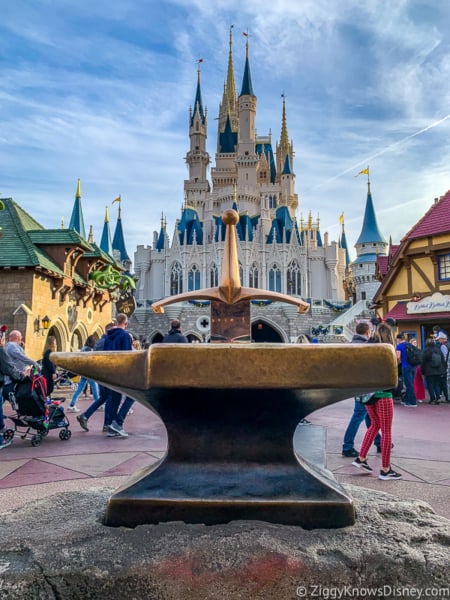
(35, 414)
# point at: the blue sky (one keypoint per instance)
(101, 91)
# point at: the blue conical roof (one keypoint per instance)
(370, 233)
(105, 242)
(198, 104)
(247, 88)
(343, 244)
(287, 166)
(118, 243)
(76, 220)
(228, 139)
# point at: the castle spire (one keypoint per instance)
(370, 233)
(118, 243)
(105, 242)
(76, 220)
(230, 88)
(284, 138)
(247, 88)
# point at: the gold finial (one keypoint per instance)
(106, 215)
(78, 194)
(62, 222)
(91, 235)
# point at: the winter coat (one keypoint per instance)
(359, 339)
(175, 337)
(48, 370)
(8, 368)
(118, 339)
(426, 366)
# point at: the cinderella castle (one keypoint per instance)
(277, 250)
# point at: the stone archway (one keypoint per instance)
(263, 332)
(157, 338)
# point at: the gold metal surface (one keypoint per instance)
(243, 366)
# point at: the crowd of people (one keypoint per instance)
(427, 370)
(15, 366)
(418, 371)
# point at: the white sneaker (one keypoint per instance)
(118, 429)
(73, 409)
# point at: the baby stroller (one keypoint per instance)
(35, 414)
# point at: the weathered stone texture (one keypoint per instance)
(58, 548)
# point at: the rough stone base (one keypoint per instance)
(58, 548)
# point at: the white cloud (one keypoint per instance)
(101, 91)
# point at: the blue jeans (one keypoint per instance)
(103, 396)
(83, 381)
(358, 416)
(408, 379)
(112, 410)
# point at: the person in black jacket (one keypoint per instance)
(175, 336)
(433, 368)
(7, 368)
(49, 368)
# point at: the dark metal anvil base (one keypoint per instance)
(231, 411)
(275, 494)
(231, 456)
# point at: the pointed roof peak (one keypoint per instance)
(247, 87)
(77, 220)
(284, 138)
(198, 102)
(370, 232)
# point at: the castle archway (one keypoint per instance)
(263, 332)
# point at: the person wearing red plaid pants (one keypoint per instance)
(381, 412)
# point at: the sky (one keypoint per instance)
(101, 91)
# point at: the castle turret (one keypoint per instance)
(105, 242)
(76, 220)
(197, 186)
(118, 244)
(369, 245)
(247, 158)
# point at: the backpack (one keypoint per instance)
(413, 355)
(437, 359)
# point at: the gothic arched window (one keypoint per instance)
(214, 276)
(176, 279)
(272, 201)
(241, 274)
(275, 278)
(253, 276)
(293, 279)
(193, 279)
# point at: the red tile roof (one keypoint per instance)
(436, 220)
(383, 264)
(399, 314)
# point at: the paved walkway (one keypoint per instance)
(421, 453)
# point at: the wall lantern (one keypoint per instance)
(42, 325)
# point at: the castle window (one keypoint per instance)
(214, 276)
(444, 267)
(253, 276)
(293, 279)
(241, 273)
(176, 279)
(272, 201)
(275, 278)
(193, 279)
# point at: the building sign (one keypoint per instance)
(126, 304)
(435, 303)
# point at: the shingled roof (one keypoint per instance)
(435, 221)
(21, 238)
